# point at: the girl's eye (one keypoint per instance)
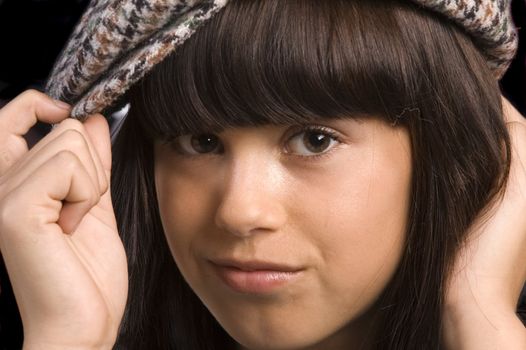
(197, 144)
(312, 141)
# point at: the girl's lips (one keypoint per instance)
(254, 281)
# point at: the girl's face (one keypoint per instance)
(288, 234)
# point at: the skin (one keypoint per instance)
(66, 262)
(68, 268)
(341, 218)
(489, 272)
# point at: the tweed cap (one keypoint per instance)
(116, 42)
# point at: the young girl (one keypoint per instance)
(296, 175)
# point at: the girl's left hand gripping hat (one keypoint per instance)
(116, 42)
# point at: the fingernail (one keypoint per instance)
(62, 105)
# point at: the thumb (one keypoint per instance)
(99, 133)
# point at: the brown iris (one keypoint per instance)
(316, 142)
(204, 143)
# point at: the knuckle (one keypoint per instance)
(72, 123)
(74, 138)
(520, 129)
(14, 209)
(9, 211)
(90, 194)
(105, 186)
(517, 133)
(32, 94)
(95, 197)
(68, 160)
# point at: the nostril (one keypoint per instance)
(236, 219)
(245, 218)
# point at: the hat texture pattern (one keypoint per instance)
(116, 42)
(489, 23)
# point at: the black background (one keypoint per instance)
(32, 33)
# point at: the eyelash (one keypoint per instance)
(316, 128)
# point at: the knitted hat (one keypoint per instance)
(116, 42)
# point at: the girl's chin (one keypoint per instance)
(282, 339)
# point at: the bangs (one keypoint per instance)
(287, 62)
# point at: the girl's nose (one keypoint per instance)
(252, 198)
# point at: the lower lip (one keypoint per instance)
(254, 282)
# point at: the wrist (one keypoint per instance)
(43, 341)
(476, 322)
(42, 345)
(64, 334)
(35, 346)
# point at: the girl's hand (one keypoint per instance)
(490, 269)
(58, 233)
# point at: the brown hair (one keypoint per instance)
(286, 62)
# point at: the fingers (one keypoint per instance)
(79, 198)
(98, 131)
(21, 113)
(514, 204)
(52, 189)
(67, 145)
(516, 186)
(18, 116)
(516, 124)
(44, 192)
(69, 135)
(70, 140)
(511, 114)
